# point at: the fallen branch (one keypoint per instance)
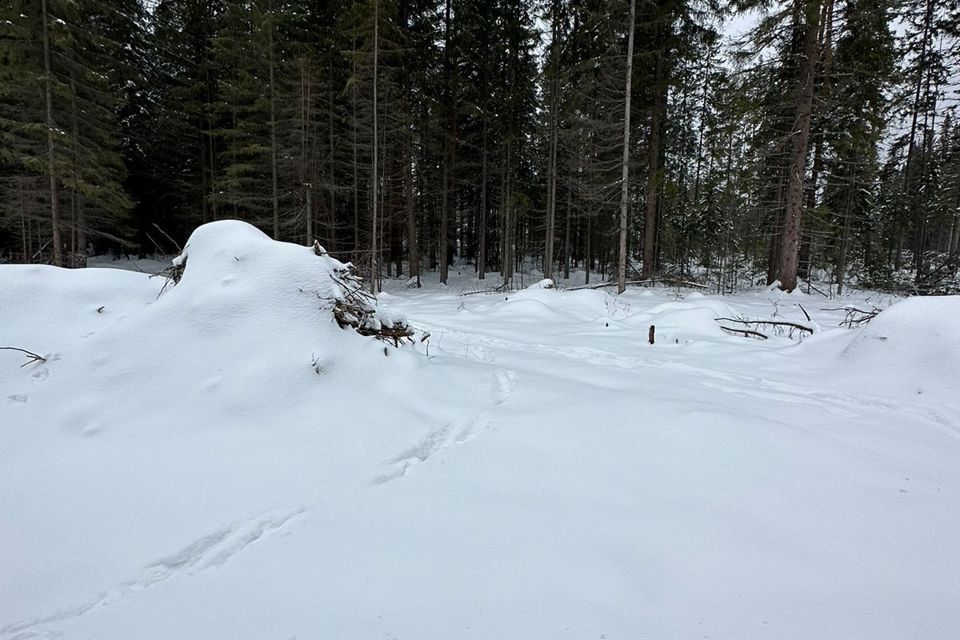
(772, 323)
(745, 332)
(855, 317)
(811, 286)
(667, 280)
(31, 356)
(602, 285)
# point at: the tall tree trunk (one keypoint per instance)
(625, 177)
(51, 126)
(482, 256)
(566, 237)
(274, 191)
(908, 168)
(790, 251)
(374, 264)
(653, 175)
(332, 213)
(845, 238)
(588, 258)
(447, 155)
(824, 70)
(413, 248)
(955, 235)
(508, 240)
(356, 161)
(79, 221)
(549, 231)
(305, 178)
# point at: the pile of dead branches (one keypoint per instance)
(355, 307)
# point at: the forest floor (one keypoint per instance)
(225, 462)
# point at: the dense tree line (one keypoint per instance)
(624, 139)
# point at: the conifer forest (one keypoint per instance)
(726, 142)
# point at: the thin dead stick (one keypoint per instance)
(31, 356)
(811, 285)
(167, 236)
(746, 332)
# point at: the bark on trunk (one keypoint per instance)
(51, 163)
(482, 257)
(274, 192)
(625, 177)
(653, 178)
(374, 265)
(413, 249)
(790, 249)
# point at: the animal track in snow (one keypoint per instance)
(209, 552)
(506, 383)
(451, 434)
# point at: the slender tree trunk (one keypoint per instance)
(274, 191)
(508, 240)
(625, 177)
(79, 223)
(549, 231)
(305, 179)
(925, 188)
(24, 232)
(566, 237)
(308, 203)
(845, 240)
(825, 68)
(447, 156)
(356, 143)
(653, 176)
(413, 251)
(907, 171)
(955, 235)
(374, 264)
(443, 237)
(51, 126)
(789, 254)
(482, 257)
(332, 213)
(588, 259)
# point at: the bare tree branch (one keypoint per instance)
(31, 356)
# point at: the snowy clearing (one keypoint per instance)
(225, 462)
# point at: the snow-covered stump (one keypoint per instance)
(336, 284)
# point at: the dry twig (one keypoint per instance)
(31, 356)
(855, 317)
(749, 333)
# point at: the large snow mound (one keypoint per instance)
(911, 347)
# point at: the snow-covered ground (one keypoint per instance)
(225, 462)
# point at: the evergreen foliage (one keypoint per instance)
(823, 144)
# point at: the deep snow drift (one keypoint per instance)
(223, 461)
